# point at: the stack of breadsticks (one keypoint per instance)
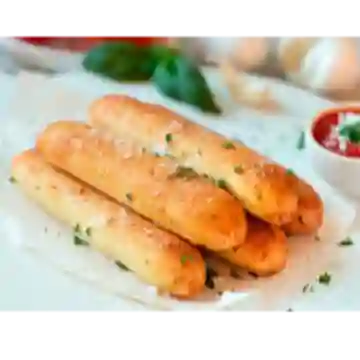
(154, 191)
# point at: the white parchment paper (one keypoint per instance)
(38, 100)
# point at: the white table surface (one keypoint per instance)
(38, 286)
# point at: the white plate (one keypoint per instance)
(41, 57)
(38, 101)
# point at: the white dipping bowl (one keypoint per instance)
(339, 171)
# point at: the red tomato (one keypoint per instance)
(325, 134)
(85, 43)
(34, 40)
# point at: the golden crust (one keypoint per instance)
(157, 257)
(264, 251)
(191, 207)
(310, 211)
(262, 186)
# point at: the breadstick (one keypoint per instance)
(157, 257)
(310, 213)
(264, 251)
(262, 186)
(174, 198)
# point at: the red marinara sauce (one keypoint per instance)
(86, 43)
(325, 132)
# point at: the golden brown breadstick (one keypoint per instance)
(264, 251)
(157, 257)
(262, 186)
(173, 197)
(310, 211)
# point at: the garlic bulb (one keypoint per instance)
(323, 64)
(244, 92)
(245, 53)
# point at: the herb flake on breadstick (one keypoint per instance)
(168, 138)
(239, 169)
(149, 123)
(129, 196)
(117, 232)
(81, 236)
(184, 173)
(228, 145)
(100, 162)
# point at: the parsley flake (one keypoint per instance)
(239, 169)
(88, 231)
(185, 258)
(324, 278)
(129, 196)
(221, 183)
(168, 138)
(346, 242)
(184, 173)
(12, 180)
(301, 141)
(291, 314)
(120, 265)
(308, 288)
(228, 145)
(78, 236)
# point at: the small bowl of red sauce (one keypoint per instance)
(333, 146)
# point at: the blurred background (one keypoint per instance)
(327, 66)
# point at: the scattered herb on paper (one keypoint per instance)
(346, 242)
(12, 180)
(120, 265)
(301, 141)
(308, 288)
(324, 278)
